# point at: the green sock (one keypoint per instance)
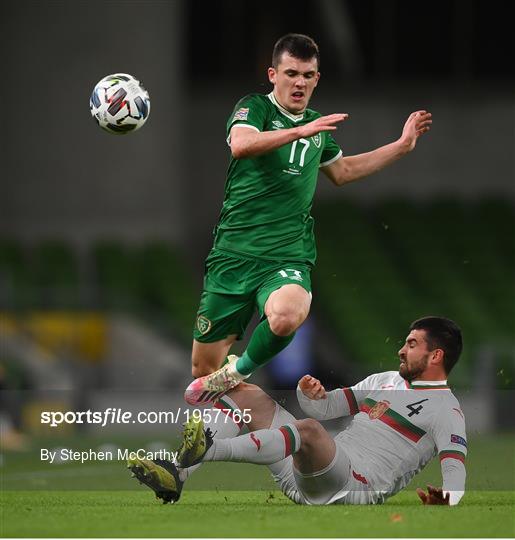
(262, 347)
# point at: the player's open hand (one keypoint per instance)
(312, 388)
(433, 495)
(324, 123)
(418, 123)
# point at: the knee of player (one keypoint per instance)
(310, 431)
(246, 392)
(284, 323)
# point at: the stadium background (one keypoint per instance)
(103, 238)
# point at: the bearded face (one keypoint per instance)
(414, 356)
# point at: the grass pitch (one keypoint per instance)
(100, 500)
(246, 514)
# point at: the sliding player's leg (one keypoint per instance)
(224, 420)
(221, 319)
(268, 414)
(160, 475)
(321, 471)
(165, 478)
(207, 358)
(308, 438)
(321, 468)
(301, 454)
(259, 410)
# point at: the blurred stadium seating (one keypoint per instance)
(379, 268)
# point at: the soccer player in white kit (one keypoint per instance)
(401, 420)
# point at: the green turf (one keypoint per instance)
(246, 514)
(99, 500)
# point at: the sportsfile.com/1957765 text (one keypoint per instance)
(113, 415)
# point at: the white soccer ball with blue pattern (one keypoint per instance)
(119, 104)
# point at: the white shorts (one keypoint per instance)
(338, 483)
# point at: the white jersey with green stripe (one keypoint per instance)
(397, 429)
(266, 212)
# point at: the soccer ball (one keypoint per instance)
(119, 103)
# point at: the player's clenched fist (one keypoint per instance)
(324, 123)
(312, 388)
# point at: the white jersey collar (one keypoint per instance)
(293, 117)
(427, 385)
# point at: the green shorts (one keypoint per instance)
(234, 287)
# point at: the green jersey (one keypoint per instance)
(268, 198)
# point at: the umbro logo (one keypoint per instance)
(359, 477)
(277, 124)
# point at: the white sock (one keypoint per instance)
(281, 417)
(231, 370)
(264, 446)
(225, 423)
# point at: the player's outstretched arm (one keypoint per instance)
(247, 143)
(316, 402)
(349, 168)
(449, 435)
(453, 489)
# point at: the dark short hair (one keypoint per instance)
(441, 333)
(297, 45)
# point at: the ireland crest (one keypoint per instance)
(203, 324)
(317, 139)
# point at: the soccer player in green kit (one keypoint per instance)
(264, 247)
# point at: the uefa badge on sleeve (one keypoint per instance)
(241, 114)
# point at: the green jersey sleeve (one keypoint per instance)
(249, 111)
(331, 151)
